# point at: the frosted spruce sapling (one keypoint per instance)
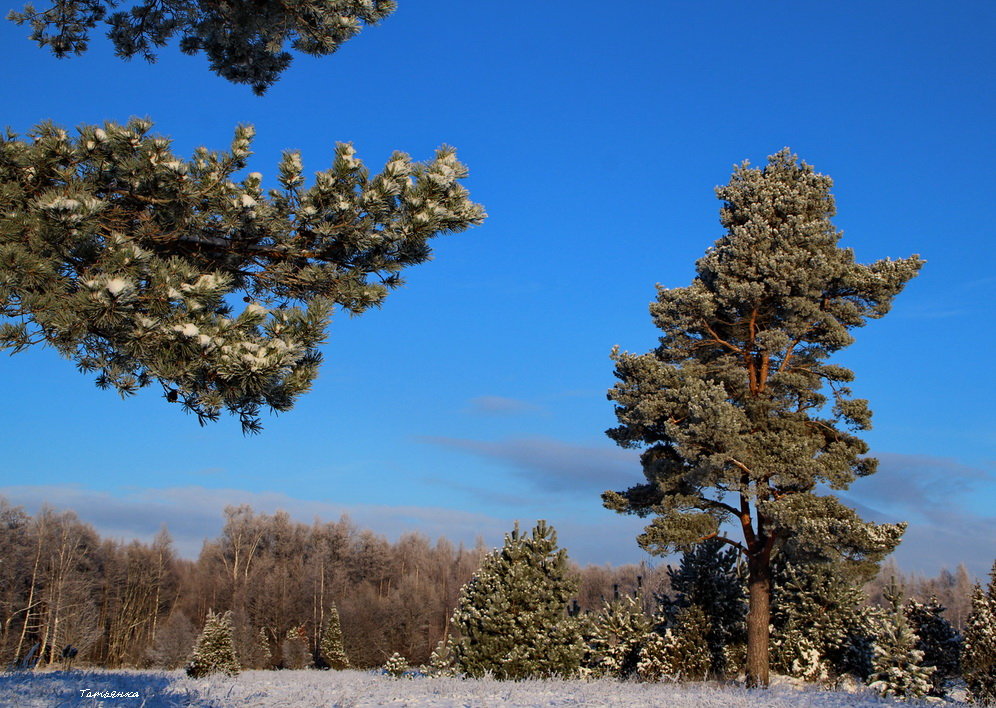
(511, 618)
(739, 411)
(245, 42)
(142, 266)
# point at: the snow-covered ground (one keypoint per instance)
(353, 689)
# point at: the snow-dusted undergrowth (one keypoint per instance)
(353, 689)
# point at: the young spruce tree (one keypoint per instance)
(937, 639)
(511, 619)
(617, 634)
(677, 649)
(709, 578)
(821, 626)
(331, 651)
(897, 666)
(214, 651)
(978, 661)
(127, 259)
(741, 414)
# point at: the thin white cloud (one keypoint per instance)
(483, 494)
(194, 514)
(500, 406)
(933, 494)
(937, 497)
(555, 466)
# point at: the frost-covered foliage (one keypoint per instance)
(821, 626)
(396, 665)
(245, 41)
(511, 619)
(615, 637)
(712, 578)
(897, 665)
(214, 651)
(441, 660)
(741, 415)
(307, 689)
(331, 650)
(979, 649)
(681, 652)
(937, 639)
(127, 259)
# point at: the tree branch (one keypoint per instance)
(716, 338)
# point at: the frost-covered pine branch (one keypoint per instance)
(141, 266)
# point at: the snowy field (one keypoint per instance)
(353, 689)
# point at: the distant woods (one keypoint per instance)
(139, 605)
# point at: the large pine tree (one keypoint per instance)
(511, 619)
(741, 414)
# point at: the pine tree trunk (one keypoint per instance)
(758, 618)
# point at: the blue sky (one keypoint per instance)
(594, 138)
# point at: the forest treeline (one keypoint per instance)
(140, 604)
(134, 604)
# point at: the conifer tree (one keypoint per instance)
(263, 653)
(709, 577)
(821, 627)
(396, 665)
(979, 648)
(511, 619)
(654, 662)
(937, 639)
(441, 659)
(214, 651)
(332, 653)
(244, 41)
(741, 414)
(897, 666)
(678, 652)
(618, 632)
(127, 258)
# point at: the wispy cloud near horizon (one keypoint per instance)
(553, 465)
(195, 514)
(501, 406)
(936, 496)
(933, 494)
